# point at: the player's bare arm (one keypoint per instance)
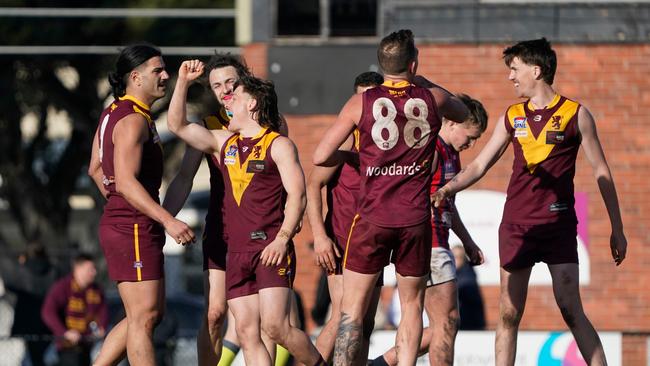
(474, 253)
(95, 167)
(285, 156)
(193, 134)
(476, 169)
(181, 185)
(449, 106)
(128, 136)
(327, 152)
(594, 153)
(324, 249)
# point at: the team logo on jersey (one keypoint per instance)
(230, 155)
(520, 122)
(537, 118)
(255, 166)
(137, 264)
(284, 272)
(244, 149)
(554, 137)
(555, 122)
(521, 133)
(257, 151)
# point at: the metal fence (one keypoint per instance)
(504, 22)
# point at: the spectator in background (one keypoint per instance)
(470, 301)
(29, 278)
(75, 311)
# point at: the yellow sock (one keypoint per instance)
(228, 353)
(281, 356)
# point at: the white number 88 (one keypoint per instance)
(388, 122)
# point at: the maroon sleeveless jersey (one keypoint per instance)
(447, 168)
(117, 210)
(254, 195)
(218, 121)
(545, 143)
(397, 131)
(343, 190)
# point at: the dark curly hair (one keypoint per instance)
(219, 60)
(536, 52)
(130, 57)
(266, 109)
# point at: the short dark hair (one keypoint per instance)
(82, 257)
(129, 58)
(536, 52)
(477, 114)
(368, 78)
(396, 51)
(266, 108)
(219, 60)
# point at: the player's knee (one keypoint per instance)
(147, 320)
(510, 318)
(245, 332)
(276, 330)
(216, 315)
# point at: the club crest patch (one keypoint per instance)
(520, 122)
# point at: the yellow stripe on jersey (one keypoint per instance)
(151, 124)
(145, 114)
(240, 178)
(136, 101)
(396, 84)
(136, 243)
(347, 245)
(556, 100)
(355, 135)
(535, 149)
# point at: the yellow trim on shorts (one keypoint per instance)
(347, 244)
(136, 242)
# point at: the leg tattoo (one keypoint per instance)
(348, 341)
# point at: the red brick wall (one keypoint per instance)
(613, 82)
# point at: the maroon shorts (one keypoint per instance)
(245, 274)
(521, 246)
(338, 261)
(133, 251)
(214, 247)
(340, 243)
(369, 248)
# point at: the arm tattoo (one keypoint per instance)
(348, 341)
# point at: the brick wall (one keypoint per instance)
(613, 82)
